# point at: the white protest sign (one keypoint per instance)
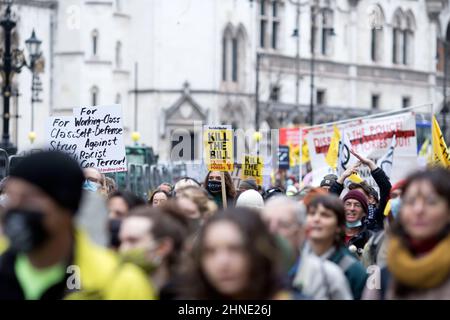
(370, 138)
(93, 136)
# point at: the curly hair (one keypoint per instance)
(259, 246)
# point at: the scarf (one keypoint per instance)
(424, 272)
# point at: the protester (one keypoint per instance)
(110, 185)
(375, 250)
(250, 199)
(328, 181)
(311, 276)
(186, 182)
(273, 192)
(246, 184)
(325, 225)
(158, 198)
(119, 204)
(199, 197)
(312, 194)
(154, 240)
(418, 259)
(356, 233)
(213, 184)
(374, 215)
(47, 257)
(167, 187)
(95, 181)
(236, 259)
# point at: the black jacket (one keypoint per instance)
(374, 218)
(360, 240)
(10, 288)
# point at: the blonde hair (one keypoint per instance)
(199, 196)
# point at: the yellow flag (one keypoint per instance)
(305, 152)
(441, 156)
(333, 151)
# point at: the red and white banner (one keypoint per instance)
(370, 138)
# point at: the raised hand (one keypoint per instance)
(366, 161)
(348, 172)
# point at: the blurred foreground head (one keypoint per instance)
(286, 218)
(236, 258)
(44, 193)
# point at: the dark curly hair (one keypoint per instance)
(260, 247)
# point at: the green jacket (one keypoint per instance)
(352, 268)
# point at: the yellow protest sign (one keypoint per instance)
(218, 148)
(252, 167)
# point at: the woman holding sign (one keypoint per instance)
(213, 184)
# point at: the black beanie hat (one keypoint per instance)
(56, 173)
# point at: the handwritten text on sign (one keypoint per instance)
(218, 151)
(93, 136)
(253, 168)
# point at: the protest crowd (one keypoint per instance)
(343, 238)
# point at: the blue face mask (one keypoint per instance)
(395, 207)
(354, 224)
(90, 186)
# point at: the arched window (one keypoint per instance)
(94, 39)
(233, 54)
(226, 48)
(397, 37)
(377, 35)
(241, 37)
(118, 54)
(94, 95)
(408, 38)
(327, 31)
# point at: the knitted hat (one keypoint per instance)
(328, 180)
(250, 199)
(56, 174)
(358, 196)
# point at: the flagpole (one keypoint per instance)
(300, 178)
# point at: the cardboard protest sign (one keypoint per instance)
(252, 167)
(93, 136)
(371, 138)
(218, 147)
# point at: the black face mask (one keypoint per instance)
(214, 186)
(114, 228)
(25, 230)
